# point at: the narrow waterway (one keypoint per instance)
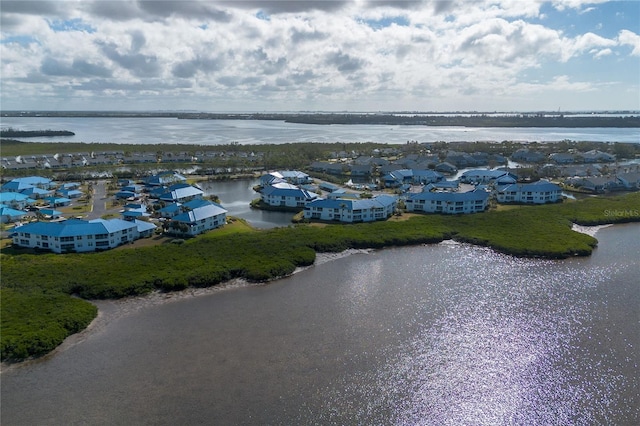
(236, 197)
(446, 334)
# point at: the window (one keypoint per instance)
(45, 238)
(78, 237)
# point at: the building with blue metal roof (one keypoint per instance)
(76, 235)
(476, 176)
(18, 184)
(447, 202)
(35, 192)
(57, 201)
(181, 193)
(294, 177)
(15, 200)
(539, 192)
(197, 216)
(286, 195)
(7, 214)
(397, 178)
(165, 178)
(380, 207)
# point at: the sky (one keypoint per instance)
(338, 55)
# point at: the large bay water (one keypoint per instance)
(216, 132)
(446, 334)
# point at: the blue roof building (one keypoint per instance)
(18, 184)
(35, 192)
(397, 178)
(170, 210)
(539, 192)
(380, 207)
(52, 213)
(57, 201)
(7, 214)
(69, 193)
(197, 216)
(125, 195)
(15, 200)
(500, 177)
(447, 202)
(181, 193)
(286, 195)
(165, 178)
(76, 235)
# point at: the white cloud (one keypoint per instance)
(597, 54)
(375, 54)
(626, 37)
(575, 4)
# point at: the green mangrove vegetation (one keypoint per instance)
(14, 133)
(42, 292)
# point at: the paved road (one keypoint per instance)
(99, 200)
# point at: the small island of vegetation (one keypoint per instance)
(13, 133)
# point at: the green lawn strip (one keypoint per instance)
(238, 251)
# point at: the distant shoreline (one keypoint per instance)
(618, 119)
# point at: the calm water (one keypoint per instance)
(216, 132)
(236, 196)
(446, 334)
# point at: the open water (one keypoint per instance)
(217, 132)
(446, 334)
(236, 197)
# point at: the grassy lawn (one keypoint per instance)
(76, 209)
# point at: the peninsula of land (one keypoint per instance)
(13, 133)
(616, 119)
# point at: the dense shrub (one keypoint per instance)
(34, 323)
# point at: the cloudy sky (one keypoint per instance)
(364, 55)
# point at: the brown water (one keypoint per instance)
(447, 334)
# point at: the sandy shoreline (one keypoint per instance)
(589, 230)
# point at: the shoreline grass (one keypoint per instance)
(31, 283)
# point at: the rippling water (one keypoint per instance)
(504, 342)
(217, 132)
(446, 334)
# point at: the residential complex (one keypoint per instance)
(540, 192)
(350, 210)
(447, 202)
(77, 235)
